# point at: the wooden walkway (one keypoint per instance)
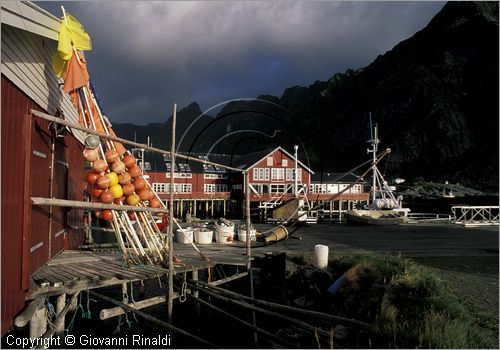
(75, 270)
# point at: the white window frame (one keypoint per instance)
(159, 187)
(261, 174)
(214, 176)
(270, 161)
(284, 162)
(209, 188)
(290, 172)
(277, 174)
(277, 188)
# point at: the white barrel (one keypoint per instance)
(184, 236)
(224, 234)
(203, 237)
(320, 257)
(242, 235)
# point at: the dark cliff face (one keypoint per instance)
(434, 96)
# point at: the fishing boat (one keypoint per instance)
(383, 207)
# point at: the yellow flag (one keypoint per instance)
(71, 34)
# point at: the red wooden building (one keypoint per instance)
(38, 158)
(199, 188)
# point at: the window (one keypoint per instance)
(214, 176)
(261, 174)
(178, 175)
(237, 187)
(277, 188)
(290, 172)
(318, 188)
(178, 188)
(220, 188)
(277, 174)
(270, 161)
(159, 187)
(284, 162)
(209, 188)
(332, 188)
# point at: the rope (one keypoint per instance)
(118, 329)
(133, 301)
(183, 296)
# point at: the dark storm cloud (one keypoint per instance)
(148, 55)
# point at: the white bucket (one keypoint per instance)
(242, 235)
(186, 237)
(203, 237)
(224, 234)
(320, 257)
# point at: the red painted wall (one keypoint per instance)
(278, 157)
(26, 160)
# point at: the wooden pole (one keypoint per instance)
(59, 322)
(248, 247)
(153, 319)
(38, 323)
(92, 205)
(116, 311)
(237, 319)
(332, 318)
(60, 304)
(125, 141)
(301, 324)
(170, 302)
(25, 316)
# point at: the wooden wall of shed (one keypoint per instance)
(14, 106)
(27, 241)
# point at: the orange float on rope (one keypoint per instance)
(133, 199)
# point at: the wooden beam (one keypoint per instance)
(116, 311)
(60, 305)
(38, 322)
(228, 279)
(92, 205)
(239, 320)
(125, 141)
(25, 316)
(58, 323)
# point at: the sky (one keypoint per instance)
(148, 55)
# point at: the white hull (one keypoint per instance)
(375, 217)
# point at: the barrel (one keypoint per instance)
(320, 257)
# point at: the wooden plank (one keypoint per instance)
(76, 276)
(71, 260)
(103, 272)
(82, 274)
(54, 281)
(39, 281)
(116, 311)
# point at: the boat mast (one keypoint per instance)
(373, 150)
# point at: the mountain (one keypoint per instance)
(434, 97)
(160, 134)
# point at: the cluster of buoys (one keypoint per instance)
(116, 180)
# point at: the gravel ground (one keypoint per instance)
(474, 279)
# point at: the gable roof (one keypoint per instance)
(29, 40)
(31, 18)
(250, 160)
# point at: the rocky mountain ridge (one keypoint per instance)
(434, 97)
